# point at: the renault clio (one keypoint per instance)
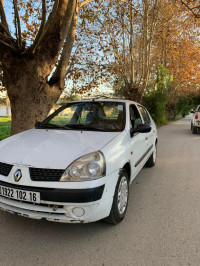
(77, 165)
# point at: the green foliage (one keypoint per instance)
(157, 94)
(69, 99)
(184, 105)
(195, 100)
(73, 98)
(187, 103)
(5, 125)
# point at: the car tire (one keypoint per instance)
(152, 159)
(194, 130)
(120, 200)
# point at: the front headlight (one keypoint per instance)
(88, 167)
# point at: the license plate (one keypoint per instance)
(18, 194)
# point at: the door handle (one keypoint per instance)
(146, 138)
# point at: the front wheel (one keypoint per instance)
(152, 159)
(120, 200)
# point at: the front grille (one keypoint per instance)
(41, 174)
(5, 169)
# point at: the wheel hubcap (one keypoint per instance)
(122, 195)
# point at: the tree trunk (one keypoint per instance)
(31, 96)
(25, 115)
(7, 105)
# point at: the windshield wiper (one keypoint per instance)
(87, 127)
(53, 126)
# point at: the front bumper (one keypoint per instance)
(63, 195)
(67, 205)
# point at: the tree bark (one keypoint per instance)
(31, 98)
(7, 105)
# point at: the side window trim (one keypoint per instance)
(136, 111)
(146, 113)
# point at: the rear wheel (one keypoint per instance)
(152, 159)
(194, 130)
(120, 200)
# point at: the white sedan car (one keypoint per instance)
(77, 165)
(195, 122)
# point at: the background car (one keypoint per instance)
(77, 165)
(195, 122)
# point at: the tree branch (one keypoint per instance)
(196, 15)
(18, 23)
(5, 37)
(4, 29)
(84, 2)
(60, 72)
(69, 18)
(131, 6)
(41, 30)
(196, 7)
(3, 16)
(55, 35)
(8, 45)
(51, 17)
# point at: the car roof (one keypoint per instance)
(108, 100)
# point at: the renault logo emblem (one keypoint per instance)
(17, 175)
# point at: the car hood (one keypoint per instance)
(54, 149)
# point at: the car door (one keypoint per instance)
(138, 145)
(150, 136)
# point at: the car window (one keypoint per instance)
(108, 116)
(135, 116)
(145, 115)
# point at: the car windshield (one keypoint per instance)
(94, 115)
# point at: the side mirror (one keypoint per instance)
(37, 124)
(142, 128)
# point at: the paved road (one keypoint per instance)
(162, 226)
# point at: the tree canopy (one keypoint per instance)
(120, 44)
